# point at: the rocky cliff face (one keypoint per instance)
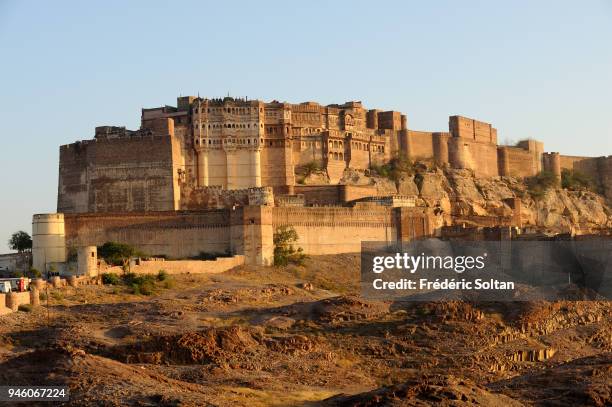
(458, 193)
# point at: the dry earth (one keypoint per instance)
(301, 336)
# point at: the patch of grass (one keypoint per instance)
(111, 279)
(57, 295)
(539, 184)
(162, 275)
(25, 307)
(394, 169)
(140, 284)
(42, 296)
(576, 180)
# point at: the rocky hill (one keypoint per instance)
(458, 193)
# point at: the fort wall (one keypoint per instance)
(341, 230)
(336, 230)
(133, 173)
(480, 157)
(174, 234)
(421, 145)
(246, 231)
(599, 169)
(517, 162)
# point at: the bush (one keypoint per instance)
(394, 169)
(539, 184)
(111, 278)
(573, 179)
(143, 287)
(25, 308)
(140, 284)
(42, 296)
(284, 252)
(162, 275)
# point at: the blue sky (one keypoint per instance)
(540, 69)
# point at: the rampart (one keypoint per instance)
(246, 231)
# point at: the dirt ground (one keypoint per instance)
(301, 336)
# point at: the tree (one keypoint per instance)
(20, 241)
(284, 252)
(117, 254)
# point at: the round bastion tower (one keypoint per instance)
(552, 162)
(48, 240)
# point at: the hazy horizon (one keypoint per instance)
(534, 70)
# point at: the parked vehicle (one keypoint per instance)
(18, 284)
(5, 287)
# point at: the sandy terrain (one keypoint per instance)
(301, 336)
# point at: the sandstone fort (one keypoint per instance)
(220, 175)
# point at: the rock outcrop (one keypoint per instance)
(459, 193)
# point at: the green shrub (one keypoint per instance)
(57, 295)
(111, 278)
(25, 308)
(284, 251)
(143, 287)
(574, 179)
(394, 169)
(162, 275)
(169, 283)
(140, 284)
(539, 184)
(135, 289)
(42, 296)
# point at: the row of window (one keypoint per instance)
(243, 141)
(227, 126)
(228, 141)
(275, 130)
(339, 144)
(233, 110)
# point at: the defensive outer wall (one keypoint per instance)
(246, 231)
